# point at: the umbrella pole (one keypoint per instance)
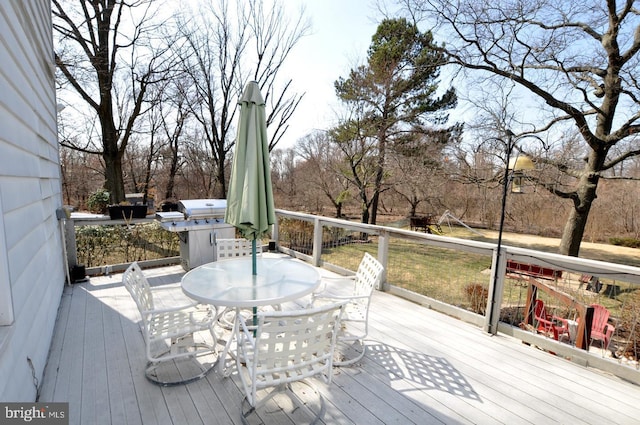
(254, 270)
(255, 273)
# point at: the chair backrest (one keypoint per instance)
(294, 345)
(539, 310)
(138, 286)
(600, 317)
(368, 275)
(232, 248)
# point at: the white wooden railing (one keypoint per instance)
(444, 276)
(622, 275)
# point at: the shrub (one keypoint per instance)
(477, 296)
(98, 201)
(99, 245)
(628, 242)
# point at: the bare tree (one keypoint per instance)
(418, 161)
(358, 148)
(174, 115)
(321, 160)
(144, 155)
(81, 175)
(106, 60)
(283, 168)
(578, 61)
(221, 50)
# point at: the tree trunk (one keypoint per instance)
(374, 206)
(173, 170)
(221, 179)
(382, 143)
(111, 154)
(414, 205)
(113, 176)
(147, 175)
(365, 213)
(573, 232)
(576, 223)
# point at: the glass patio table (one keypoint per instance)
(230, 283)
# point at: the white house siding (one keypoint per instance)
(32, 271)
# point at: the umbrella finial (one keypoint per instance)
(252, 94)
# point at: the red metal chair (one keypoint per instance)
(547, 323)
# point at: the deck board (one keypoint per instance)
(420, 367)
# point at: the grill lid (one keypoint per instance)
(202, 208)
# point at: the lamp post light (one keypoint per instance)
(514, 167)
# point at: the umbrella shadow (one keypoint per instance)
(425, 371)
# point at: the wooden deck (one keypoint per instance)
(421, 367)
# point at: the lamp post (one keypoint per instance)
(519, 164)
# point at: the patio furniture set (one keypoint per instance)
(592, 321)
(273, 347)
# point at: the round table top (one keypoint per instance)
(231, 283)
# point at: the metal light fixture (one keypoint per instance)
(514, 171)
(518, 166)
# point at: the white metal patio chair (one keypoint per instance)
(355, 321)
(233, 248)
(169, 334)
(228, 249)
(286, 347)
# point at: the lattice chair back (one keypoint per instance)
(169, 333)
(233, 248)
(368, 276)
(138, 286)
(356, 316)
(227, 249)
(285, 347)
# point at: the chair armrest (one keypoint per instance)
(191, 308)
(339, 277)
(342, 297)
(565, 323)
(323, 281)
(172, 287)
(609, 329)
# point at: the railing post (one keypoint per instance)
(70, 239)
(496, 288)
(383, 257)
(275, 230)
(317, 241)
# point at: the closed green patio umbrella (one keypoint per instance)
(250, 198)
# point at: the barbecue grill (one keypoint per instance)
(199, 222)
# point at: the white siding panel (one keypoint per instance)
(46, 188)
(19, 192)
(16, 159)
(31, 258)
(31, 238)
(6, 301)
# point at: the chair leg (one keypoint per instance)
(349, 347)
(316, 417)
(181, 370)
(185, 362)
(226, 318)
